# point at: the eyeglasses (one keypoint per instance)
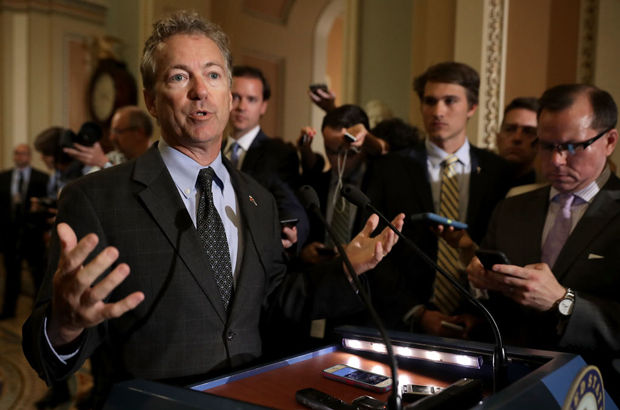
(572, 148)
(526, 130)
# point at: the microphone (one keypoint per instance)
(500, 361)
(310, 200)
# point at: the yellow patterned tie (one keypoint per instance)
(446, 297)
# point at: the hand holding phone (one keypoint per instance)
(490, 258)
(289, 223)
(434, 219)
(360, 378)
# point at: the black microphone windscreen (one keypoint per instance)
(355, 196)
(308, 197)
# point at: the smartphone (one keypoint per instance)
(289, 223)
(453, 326)
(370, 403)
(490, 258)
(360, 378)
(413, 392)
(320, 86)
(303, 140)
(349, 137)
(434, 219)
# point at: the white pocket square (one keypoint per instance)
(594, 256)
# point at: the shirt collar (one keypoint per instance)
(436, 155)
(184, 170)
(588, 193)
(245, 140)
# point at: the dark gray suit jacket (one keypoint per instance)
(589, 264)
(181, 328)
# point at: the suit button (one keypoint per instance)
(230, 335)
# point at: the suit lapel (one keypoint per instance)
(162, 200)
(604, 207)
(476, 185)
(421, 179)
(532, 226)
(250, 214)
(253, 153)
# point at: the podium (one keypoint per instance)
(536, 379)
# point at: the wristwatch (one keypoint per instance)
(566, 304)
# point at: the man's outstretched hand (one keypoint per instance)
(76, 303)
(366, 252)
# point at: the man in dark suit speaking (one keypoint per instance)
(562, 291)
(202, 241)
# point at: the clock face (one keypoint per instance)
(566, 307)
(103, 97)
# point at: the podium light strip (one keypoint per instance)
(474, 362)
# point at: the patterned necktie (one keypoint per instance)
(234, 157)
(340, 222)
(446, 297)
(559, 231)
(213, 237)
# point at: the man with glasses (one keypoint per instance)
(514, 139)
(562, 290)
(130, 132)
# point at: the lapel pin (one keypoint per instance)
(253, 201)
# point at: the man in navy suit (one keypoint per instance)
(21, 238)
(272, 162)
(202, 241)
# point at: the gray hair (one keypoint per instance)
(182, 22)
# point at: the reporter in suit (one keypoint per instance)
(411, 181)
(562, 291)
(268, 160)
(169, 318)
(20, 237)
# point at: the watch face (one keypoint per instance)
(103, 97)
(566, 307)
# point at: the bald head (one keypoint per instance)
(22, 155)
(131, 130)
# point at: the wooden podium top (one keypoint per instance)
(276, 388)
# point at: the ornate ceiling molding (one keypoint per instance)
(91, 10)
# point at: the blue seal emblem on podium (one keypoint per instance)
(587, 391)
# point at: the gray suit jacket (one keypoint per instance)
(589, 264)
(181, 328)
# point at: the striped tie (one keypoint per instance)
(340, 223)
(446, 297)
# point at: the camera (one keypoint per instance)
(88, 134)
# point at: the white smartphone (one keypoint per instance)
(453, 326)
(360, 378)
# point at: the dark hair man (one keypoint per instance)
(19, 239)
(445, 175)
(201, 238)
(273, 163)
(515, 137)
(561, 292)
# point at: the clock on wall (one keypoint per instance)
(111, 86)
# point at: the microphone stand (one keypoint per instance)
(394, 401)
(500, 360)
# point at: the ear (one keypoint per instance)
(472, 110)
(230, 101)
(263, 107)
(149, 100)
(611, 139)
